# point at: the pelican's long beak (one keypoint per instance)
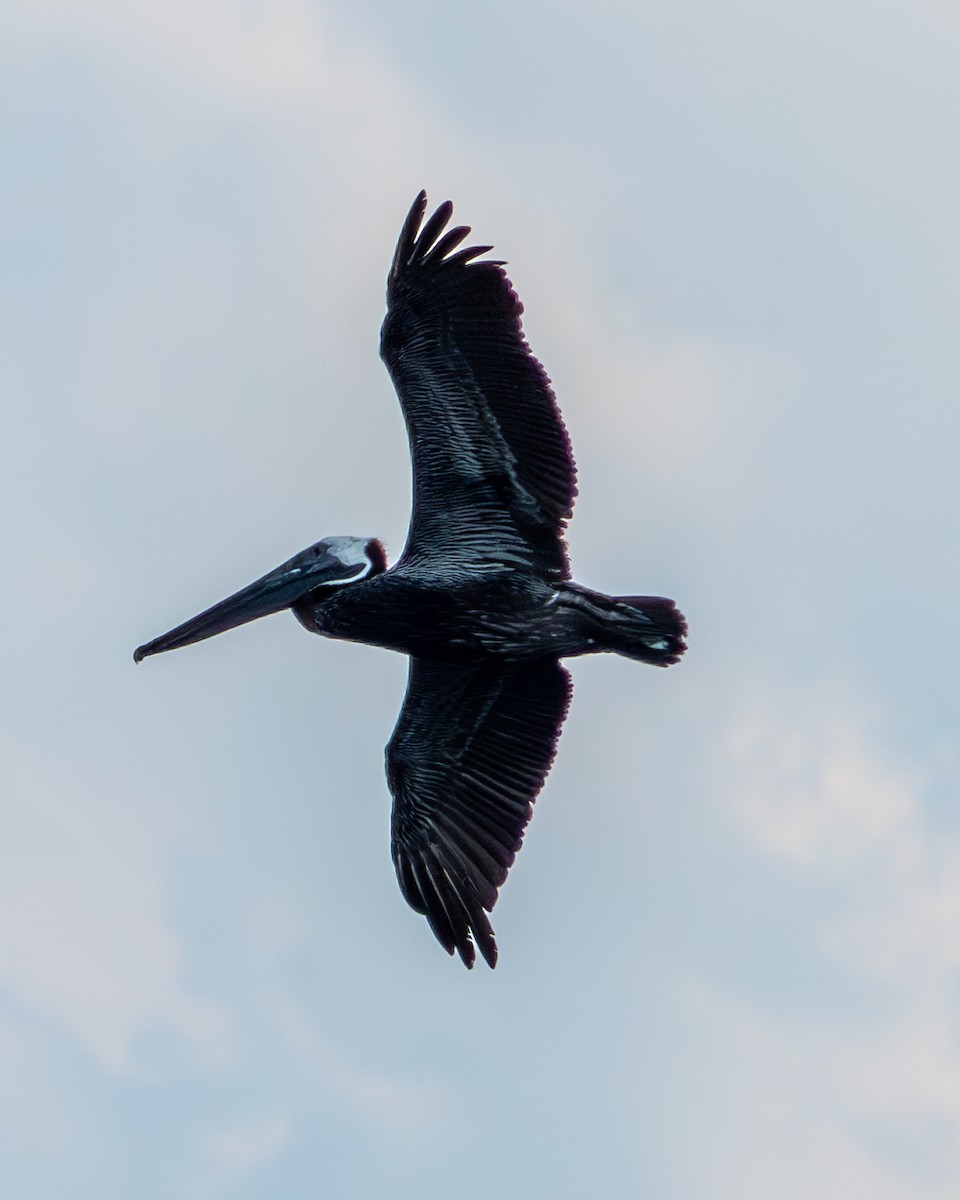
(279, 589)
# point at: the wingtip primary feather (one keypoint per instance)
(408, 234)
(433, 227)
(426, 241)
(442, 891)
(448, 241)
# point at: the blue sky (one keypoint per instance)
(730, 948)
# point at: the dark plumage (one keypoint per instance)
(480, 599)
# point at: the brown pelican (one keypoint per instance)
(480, 599)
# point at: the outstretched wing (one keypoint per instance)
(470, 752)
(493, 473)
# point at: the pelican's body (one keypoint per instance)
(504, 617)
(481, 598)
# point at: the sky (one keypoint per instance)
(730, 947)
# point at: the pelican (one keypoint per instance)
(481, 599)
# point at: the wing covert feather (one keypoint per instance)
(471, 750)
(493, 472)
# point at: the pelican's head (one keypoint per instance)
(328, 564)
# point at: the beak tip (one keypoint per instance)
(139, 654)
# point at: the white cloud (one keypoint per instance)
(670, 401)
(812, 1110)
(231, 1153)
(86, 938)
(808, 787)
(259, 58)
(907, 928)
(812, 785)
(402, 1110)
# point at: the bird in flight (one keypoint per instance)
(481, 599)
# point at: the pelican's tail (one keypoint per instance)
(650, 629)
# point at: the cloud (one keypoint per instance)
(809, 788)
(257, 58)
(401, 1110)
(813, 787)
(809, 1109)
(86, 936)
(229, 1154)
